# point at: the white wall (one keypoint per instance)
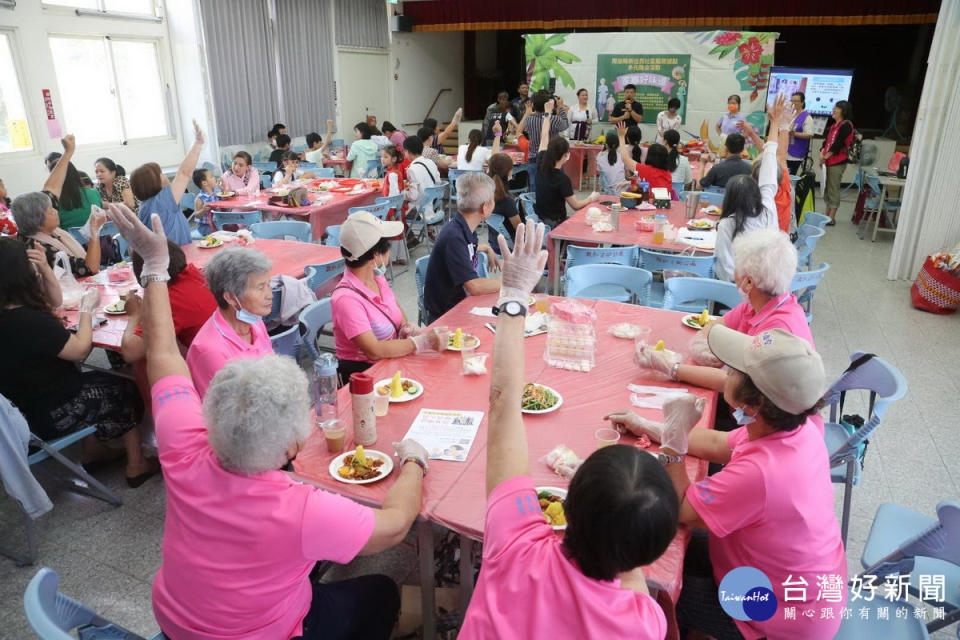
(31, 23)
(420, 65)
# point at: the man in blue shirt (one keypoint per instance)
(452, 270)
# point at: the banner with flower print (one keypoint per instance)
(713, 65)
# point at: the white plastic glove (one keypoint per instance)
(412, 450)
(522, 267)
(680, 415)
(700, 351)
(407, 330)
(660, 361)
(433, 340)
(90, 300)
(627, 420)
(149, 245)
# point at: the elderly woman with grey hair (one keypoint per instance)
(38, 223)
(239, 279)
(241, 536)
(452, 270)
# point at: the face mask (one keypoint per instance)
(742, 418)
(672, 111)
(379, 269)
(732, 108)
(245, 316)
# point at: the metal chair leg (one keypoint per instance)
(94, 487)
(31, 556)
(847, 499)
(425, 552)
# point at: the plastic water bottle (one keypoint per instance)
(325, 389)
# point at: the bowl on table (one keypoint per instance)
(629, 203)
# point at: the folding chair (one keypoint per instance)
(529, 201)
(885, 384)
(815, 219)
(687, 294)
(313, 319)
(807, 238)
(282, 230)
(52, 614)
(588, 279)
(433, 196)
(498, 224)
(804, 283)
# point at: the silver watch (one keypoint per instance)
(145, 280)
(666, 459)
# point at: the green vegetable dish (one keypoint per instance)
(537, 398)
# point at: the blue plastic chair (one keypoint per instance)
(482, 265)
(379, 210)
(240, 218)
(274, 305)
(807, 238)
(905, 541)
(885, 384)
(332, 238)
(266, 180)
(519, 169)
(654, 261)
(52, 614)
(588, 279)
(374, 169)
(498, 224)
(804, 284)
(265, 167)
(529, 201)
(308, 166)
(452, 176)
(187, 201)
(395, 202)
(337, 143)
(421, 223)
(420, 276)
(82, 482)
(677, 188)
(324, 277)
(287, 343)
(626, 256)
(872, 627)
(313, 319)
(693, 294)
(710, 197)
(815, 219)
(282, 230)
(324, 172)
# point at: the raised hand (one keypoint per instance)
(621, 131)
(497, 128)
(198, 137)
(149, 245)
(523, 266)
(69, 143)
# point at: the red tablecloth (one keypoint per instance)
(454, 493)
(330, 208)
(288, 257)
(574, 166)
(575, 230)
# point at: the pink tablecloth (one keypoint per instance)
(575, 230)
(332, 208)
(454, 493)
(109, 335)
(574, 166)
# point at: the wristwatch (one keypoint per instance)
(511, 308)
(145, 280)
(668, 459)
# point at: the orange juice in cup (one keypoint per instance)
(542, 304)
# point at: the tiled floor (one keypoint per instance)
(106, 557)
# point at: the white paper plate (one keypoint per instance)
(465, 336)
(112, 312)
(553, 408)
(557, 491)
(710, 224)
(212, 246)
(686, 320)
(406, 397)
(337, 462)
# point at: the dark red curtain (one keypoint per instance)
(455, 15)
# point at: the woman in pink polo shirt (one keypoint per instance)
(368, 324)
(239, 279)
(771, 507)
(621, 510)
(240, 536)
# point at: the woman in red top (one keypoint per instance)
(655, 169)
(834, 155)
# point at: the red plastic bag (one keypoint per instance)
(935, 290)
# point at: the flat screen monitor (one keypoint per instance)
(822, 88)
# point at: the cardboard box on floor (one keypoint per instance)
(411, 617)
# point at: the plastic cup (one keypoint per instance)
(466, 353)
(606, 437)
(335, 433)
(381, 404)
(542, 303)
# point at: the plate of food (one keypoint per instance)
(551, 503)
(539, 398)
(209, 242)
(697, 320)
(458, 341)
(118, 308)
(361, 466)
(226, 194)
(701, 223)
(399, 388)
(711, 210)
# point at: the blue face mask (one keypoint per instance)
(742, 418)
(672, 111)
(245, 316)
(379, 270)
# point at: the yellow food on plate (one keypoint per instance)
(659, 346)
(458, 338)
(396, 386)
(704, 318)
(629, 194)
(357, 466)
(556, 515)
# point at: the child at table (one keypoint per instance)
(621, 510)
(393, 185)
(207, 184)
(291, 171)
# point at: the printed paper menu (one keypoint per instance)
(446, 434)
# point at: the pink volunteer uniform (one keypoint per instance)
(238, 550)
(217, 343)
(356, 313)
(528, 587)
(782, 312)
(771, 507)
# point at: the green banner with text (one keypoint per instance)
(657, 77)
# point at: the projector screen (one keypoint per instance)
(823, 88)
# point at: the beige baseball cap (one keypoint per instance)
(783, 367)
(363, 230)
